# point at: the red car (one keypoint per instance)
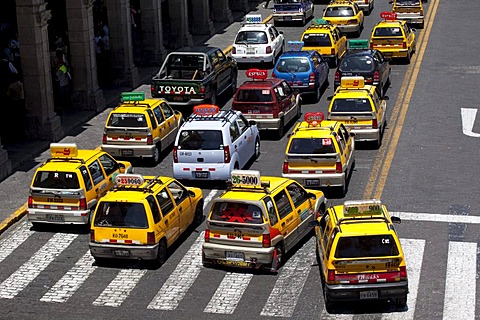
(271, 102)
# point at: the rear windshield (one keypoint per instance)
(129, 120)
(317, 40)
(56, 180)
(357, 63)
(254, 95)
(407, 2)
(351, 105)
(311, 146)
(237, 212)
(121, 214)
(251, 37)
(339, 12)
(293, 65)
(366, 246)
(388, 32)
(200, 140)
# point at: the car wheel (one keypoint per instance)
(342, 190)
(281, 129)
(317, 94)
(401, 302)
(299, 111)
(161, 253)
(303, 20)
(277, 258)
(198, 217)
(335, 62)
(378, 143)
(317, 255)
(156, 154)
(409, 57)
(257, 149)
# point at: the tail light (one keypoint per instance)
(149, 140)
(234, 50)
(371, 45)
(268, 49)
(202, 90)
(337, 76)
(266, 241)
(104, 139)
(366, 1)
(92, 235)
(331, 276)
(376, 76)
(273, 75)
(374, 124)
(311, 80)
(83, 204)
(332, 51)
(226, 154)
(152, 89)
(175, 154)
(404, 45)
(421, 12)
(207, 236)
(403, 273)
(338, 167)
(285, 167)
(150, 237)
(30, 201)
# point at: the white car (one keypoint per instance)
(212, 142)
(258, 42)
(365, 5)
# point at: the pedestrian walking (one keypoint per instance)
(63, 78)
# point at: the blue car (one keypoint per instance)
(305, 71)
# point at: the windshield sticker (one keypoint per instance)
(326, 142)
(265, 91)
(385, 241)
(280, 91)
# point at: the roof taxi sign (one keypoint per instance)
(128, 179)
(257, 74)
(241, 178)
(253, 18)
(295, 45)
(206, 110)
(132, 96)
(314, 118)
(359, 208)
(387, 15)
(63, 150)
(320, 22)
(357, 44)
(352, 82)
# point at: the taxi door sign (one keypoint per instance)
(352, 82)
(256, 74)
(63, 150)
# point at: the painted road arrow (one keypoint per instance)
(468, 119)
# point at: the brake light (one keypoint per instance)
(175, 154)
(268, 49)
(366, 1)
(311, 80)
(150, 237)
(226, 154)
(104, 139)
(273, 75)
(285, 167)
(403, 273)
(337, 76)
(152, 89)
(374, 124)
(234, 50)
(202, 90)
(404, 45)
(149, 140)
(331, 276)
(421, 12)
(371, 45)
(376, 76)
(83, 204)
(207, 236)
(92, 235)
(30, 201)
(266, 243)
(338, 167)
(332, 51)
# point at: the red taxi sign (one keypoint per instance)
(352, 82)
(358, 208)
(314, 118)
(129, 179)
(245, 178)
(205, 110)
(63, 150)
(257, 74)
(387, 15)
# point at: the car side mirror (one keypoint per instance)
(414, 30)
(329, 98)
(386, 98)
(252, 122)
(390, 1)
(280, 31)
(191, 193)
(312, 196)
(121, 165)
(396, 220)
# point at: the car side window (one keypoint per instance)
(287, 89)
(275, 31)
(297, 193)
(158, 115)
(242, 124)
(272, 213)
(234, 133)
(271, 34)
(340, 140)
(86, 178)
(167, 110)
(345, 132)
(220, 56)
(108, 163)
(152, 119)
(178, 192)
(283, 204)
(96, 172)
(154, 208)
(165, 201)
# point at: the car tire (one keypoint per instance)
(161, 254)
(408, 58)
(256, 154)
(281, 129)
(328, 303)
(233, 83)
(342, 190)
(101, 261)
(156, 154)
(317, 94)
(299, 111)
(198, 217)
(335, 62)
(277, 259)
(317, 255)
(378, 142)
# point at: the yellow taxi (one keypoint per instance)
(257, 220)
(409, 10)
(346, 15)
(394, 38)
(140, 128)
(66, 188)
(326, 39)
(359, 107)
(142, 217)
(360, 255)
(320, 153)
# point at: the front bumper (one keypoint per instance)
(286, 17)
(129, 151)
(104, 250)
(341, 292)
(313, 180)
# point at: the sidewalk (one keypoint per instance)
(82, 125)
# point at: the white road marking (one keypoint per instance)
(436, 217)
(290, 282)
(20, 279)
(468, 120)
(229, 293)
(119, 289)
(413, 250)
(181, 279)
(460, 281)
(71, 281)
(16, 238)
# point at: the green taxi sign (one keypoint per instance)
(132, 96)
(320, 22)
(358, 44)
(359, 208)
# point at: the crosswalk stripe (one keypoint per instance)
(36, 264)
(16, 238)
(460, 286)
(229, 293)
(71, 281)
(290, 282)
(181, 279)
(413, 250)
(119, 289)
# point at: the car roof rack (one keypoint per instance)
(151, 182)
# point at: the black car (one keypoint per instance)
(368, 63)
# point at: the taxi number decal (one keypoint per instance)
(54, 200)
(351, 121)
(235, 235)
(265, 91)
(120, 236)
(326, 142)
(253, 111)
(392, 264)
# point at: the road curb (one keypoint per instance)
(14, 217)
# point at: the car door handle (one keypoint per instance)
(298, 211)
(180, 209)
(283, 224)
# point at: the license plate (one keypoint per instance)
(369, 294)
(387, 54)
(55, 218)
(234, 256)
(177, 98)
(250, 50)
(122, 253)
(127, 152)
(201, 174)
(312, 182)
(287, 18)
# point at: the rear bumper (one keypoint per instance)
(144, 252)
(348, 28)
(253, 257)
(58, 216)
(310, 180)
(129, 151)
(410, 18)
(352, 292)
(393, 53)
(265, 123)
(244, 58)
(215, 171)
(366, 134)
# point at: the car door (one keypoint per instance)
(348, 145)
(110, 168)
(170, 215)
(273, 41)
(171, 124)
(288, 101)
(238, 144)
(247, 137)
(324, 240)
(309, 8)
(280, 38)
(184, 205)
(303, 207)
(158, 126)
(321, 66)
(341, 42)
(287, 219)
(383, 66)
(222, 70)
